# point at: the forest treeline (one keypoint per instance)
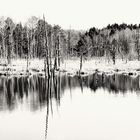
(17, 40)
(38, 39)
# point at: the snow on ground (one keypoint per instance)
(103, 66)
(19, 66)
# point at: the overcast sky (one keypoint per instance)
(79, 14)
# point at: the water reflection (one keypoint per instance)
(116, 83)
(38, 92)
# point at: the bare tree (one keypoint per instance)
(137, 43)
(46, 49)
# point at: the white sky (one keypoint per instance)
(79, 14)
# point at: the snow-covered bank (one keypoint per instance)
(19, 67)
(103, 66)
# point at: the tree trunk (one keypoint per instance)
(81, 63)
(55, 58)
(58, 49)
(47, 58)
(46, 50)
(138, 54)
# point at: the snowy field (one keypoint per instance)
(19, 67)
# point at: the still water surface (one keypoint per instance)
(95, 107)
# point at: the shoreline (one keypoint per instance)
(71, 67)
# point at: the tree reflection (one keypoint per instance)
(36, 91)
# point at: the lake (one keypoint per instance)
(94, 107)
